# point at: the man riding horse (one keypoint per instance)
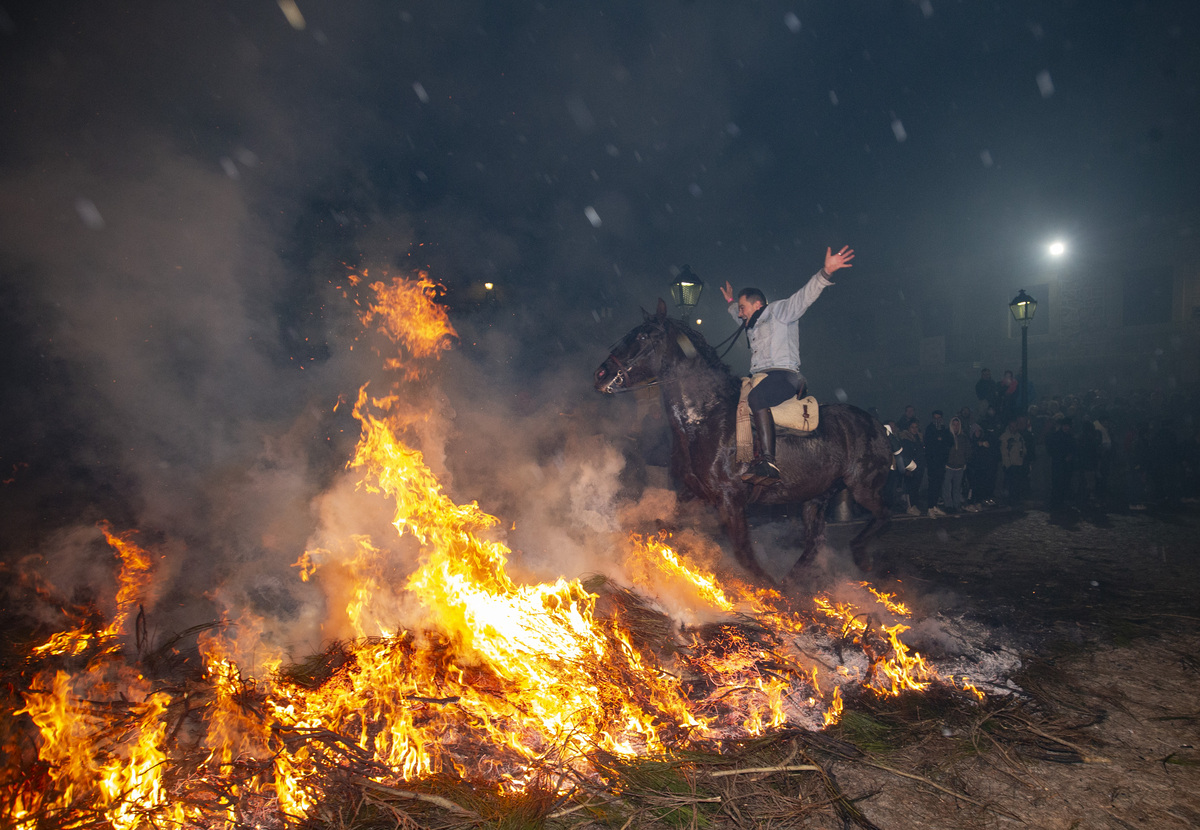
(774, 333)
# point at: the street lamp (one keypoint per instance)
(685, 290)
(1022, 307)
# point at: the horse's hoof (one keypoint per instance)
(863, 560)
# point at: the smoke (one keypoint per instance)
(177, 219)
(156, 375)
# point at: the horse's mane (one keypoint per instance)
(702, 348)
(706, 352)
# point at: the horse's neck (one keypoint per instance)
(693, 395)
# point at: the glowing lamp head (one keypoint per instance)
(686, 289)
(1022, 307)
(1057, 248)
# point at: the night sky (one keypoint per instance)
(183, 186)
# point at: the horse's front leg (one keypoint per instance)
(733, 518)
(813, 515)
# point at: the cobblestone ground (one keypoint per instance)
(1105, 610)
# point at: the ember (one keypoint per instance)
(504, 684)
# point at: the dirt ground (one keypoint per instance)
(1104, 731)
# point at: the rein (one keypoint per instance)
(731, 340)
(689, 351)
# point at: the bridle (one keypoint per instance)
(622, 374)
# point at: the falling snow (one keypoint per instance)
(1045, 85)
(292, 12)
(89, 213)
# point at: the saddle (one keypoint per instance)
(798, 416)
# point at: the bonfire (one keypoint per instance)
(549, 694)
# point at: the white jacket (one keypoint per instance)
(775, 337)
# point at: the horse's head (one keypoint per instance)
(637, 359)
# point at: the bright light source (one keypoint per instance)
(1057, 248)
(488, 286)
(698, 321)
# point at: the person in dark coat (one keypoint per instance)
(938, 443)
(984, 463)
(1060, 446)
(985, 390)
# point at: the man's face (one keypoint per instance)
(913, 429)
(938, 422)
(747, 307)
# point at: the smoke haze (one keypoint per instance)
(185, 188)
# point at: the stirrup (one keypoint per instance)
(762, 471)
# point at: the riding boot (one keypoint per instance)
(764, 471)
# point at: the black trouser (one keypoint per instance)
(775, 388)
(983, 479)
(1060, 481)
(937, 475)
(1016, 482)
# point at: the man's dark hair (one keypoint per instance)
(753, 294)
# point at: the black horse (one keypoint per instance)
(700, 395)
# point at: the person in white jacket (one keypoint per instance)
(774, 333)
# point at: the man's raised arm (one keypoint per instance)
(794, 306)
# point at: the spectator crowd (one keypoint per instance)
(1084, 452)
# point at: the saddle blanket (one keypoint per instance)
(800, 415)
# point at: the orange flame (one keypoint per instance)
(651, 558)
(132, 581)
(499, 680)
(408, 314)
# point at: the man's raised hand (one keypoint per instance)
(841, 259)
(727, 292)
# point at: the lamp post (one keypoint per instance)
(1022, 307)
(686, 289)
